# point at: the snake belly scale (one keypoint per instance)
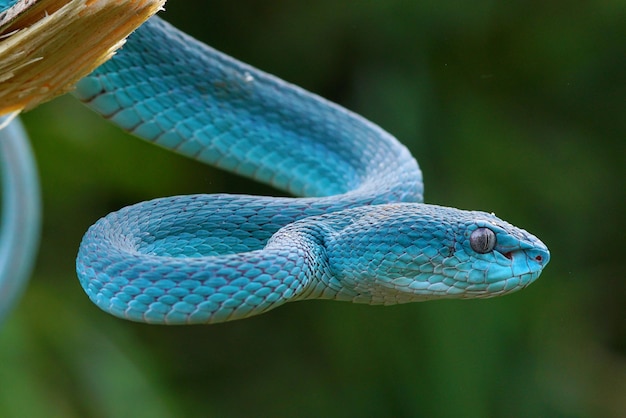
(359, 233)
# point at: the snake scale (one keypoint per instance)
(359, 233)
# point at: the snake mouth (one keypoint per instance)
(538, 253)
(522, 261)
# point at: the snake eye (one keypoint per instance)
(483, 240)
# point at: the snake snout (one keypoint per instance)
(540, 256)
(529, 263)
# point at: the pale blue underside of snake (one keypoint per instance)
(359, 234)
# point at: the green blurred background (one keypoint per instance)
(513, 107)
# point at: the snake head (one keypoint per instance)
(409, 252)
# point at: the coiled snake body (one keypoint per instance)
(360, 233)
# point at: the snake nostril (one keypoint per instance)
(539, 259)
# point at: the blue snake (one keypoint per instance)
(359, 233)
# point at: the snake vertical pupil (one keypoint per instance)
(483, 240)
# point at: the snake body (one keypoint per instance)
(359, 235)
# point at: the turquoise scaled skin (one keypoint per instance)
(360, 234)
